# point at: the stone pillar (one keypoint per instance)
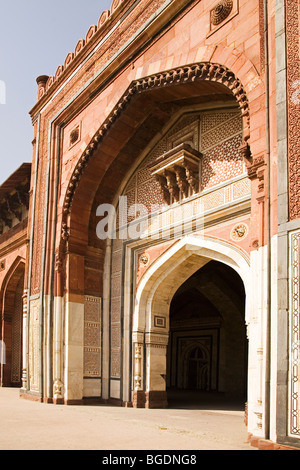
(256, 319)
(74, 330)
(74, 335)
(156, 360)
(138, 393)
(34, 374)
(58, 387)
(25, 343)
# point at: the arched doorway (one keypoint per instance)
(196, 368)
(209, 354)
(11, 331)
(207, 349)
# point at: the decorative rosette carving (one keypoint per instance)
(221, 11)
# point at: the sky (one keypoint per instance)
(35, 38)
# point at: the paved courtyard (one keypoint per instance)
(35, 426)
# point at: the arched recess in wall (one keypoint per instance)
(154, 294)
(11, 301)
(199, 248)
(144, 109)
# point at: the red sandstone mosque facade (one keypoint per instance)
(152, 246)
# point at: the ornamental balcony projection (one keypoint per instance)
(177, 173)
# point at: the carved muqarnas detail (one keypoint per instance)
(221, 11)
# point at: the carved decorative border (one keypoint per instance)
(204, 71)
(294, 346)
(92, 336)
(293, 75)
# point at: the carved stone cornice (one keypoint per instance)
(293, 105)
(156, 340)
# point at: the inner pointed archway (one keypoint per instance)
(218, 273)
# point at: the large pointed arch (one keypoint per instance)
(145, 110)
(204, 78)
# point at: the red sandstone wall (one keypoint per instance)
(187, 39)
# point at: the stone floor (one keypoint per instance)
(187, 425)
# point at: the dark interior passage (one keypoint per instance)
(207, 352)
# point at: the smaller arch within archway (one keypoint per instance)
(12, 325)
(153, 301)
(195, 367)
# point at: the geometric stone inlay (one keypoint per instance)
(294, 399)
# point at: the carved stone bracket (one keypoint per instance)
(156, 340)
(177, 172)
(246, 152)
(255, 167)
(172, 183)
(181, 179)
(65, 232)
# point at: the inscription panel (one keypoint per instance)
(92, 337)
